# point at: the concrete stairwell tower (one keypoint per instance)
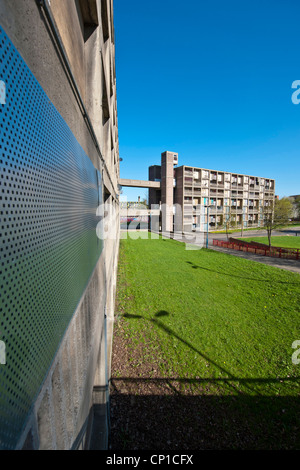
(168, 160)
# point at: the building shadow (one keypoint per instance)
(165, 420)
(179, 413)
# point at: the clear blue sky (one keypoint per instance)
(211, 80)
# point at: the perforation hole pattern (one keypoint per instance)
(49, 193)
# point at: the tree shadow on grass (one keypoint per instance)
(271, 281)
(230, 379)
(129, 315)
(173, 413)
(179, 413)
(162, 313)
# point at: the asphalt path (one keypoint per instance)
(290, 231)
(200, 240)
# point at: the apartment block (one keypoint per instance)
(202, 198)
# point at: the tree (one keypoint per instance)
(146, 198)
(278, 212)
(229, 220)
(145, 203)
(297, 206)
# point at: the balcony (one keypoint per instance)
(188, 209)
(188, 180)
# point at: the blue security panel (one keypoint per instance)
(49, 194)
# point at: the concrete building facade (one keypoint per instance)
(59, 164)
(197, 196)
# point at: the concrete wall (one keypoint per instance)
(72, 399)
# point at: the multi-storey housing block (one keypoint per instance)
(204, 197)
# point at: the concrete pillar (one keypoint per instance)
(168, 160)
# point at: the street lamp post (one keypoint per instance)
(207, 207)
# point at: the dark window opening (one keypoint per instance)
(104, 17)
(89, 15)
(106, 194)
(105, 102)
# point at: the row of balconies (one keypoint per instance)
(221, 209)
(220, 219)
(220, 175)
(226, 201)
(221, 190)
(214, 182)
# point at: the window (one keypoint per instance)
(104, 17)
(105, 103)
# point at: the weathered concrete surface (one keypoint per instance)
(139, 183)
(62, 415)
(91, 62)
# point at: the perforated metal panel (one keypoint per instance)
(49, 194)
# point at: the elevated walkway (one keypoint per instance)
(139, 183)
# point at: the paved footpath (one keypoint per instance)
(288, 264)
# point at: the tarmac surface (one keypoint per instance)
(201, 241)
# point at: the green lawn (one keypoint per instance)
(222, 325)
(212, 315)
(278, 241)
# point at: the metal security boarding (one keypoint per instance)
(49, 192)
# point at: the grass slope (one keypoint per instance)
(224, 326)
(213, 315)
